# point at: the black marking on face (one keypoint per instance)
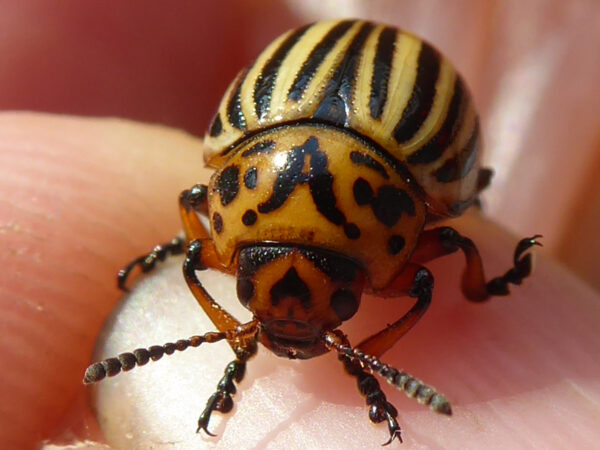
(249, 218)
(261, 147)
(245, 290)
(291, 285)
(265, 82)
(217, 222)
(216, 127)
(227, 184)
(344, 303)
(381, 71)
(434, 148)
(458, 167)
(388, 205)
(315, 59)
(423, 93)
(396, 244)
(319, 180)
(337, 268)
(234, 106)
(361, 159)
(251, 178)
(253, 258)
(338, 94)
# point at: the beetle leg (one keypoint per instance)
(416, 281)
(147, 262)
(379, 408)
(191, 203)
(445, 240)
(484, 177)
(221, 400)
(361, 366)
(196, 260)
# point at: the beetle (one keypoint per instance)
(335, 154)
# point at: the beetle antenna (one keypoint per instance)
(139, 357)
(412, 387)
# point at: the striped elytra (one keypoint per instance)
(378, 82)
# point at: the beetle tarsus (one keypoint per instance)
(147, 262)
(520, 270)
(222, 400)
(394, 429)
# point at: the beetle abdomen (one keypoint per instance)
(383, 83)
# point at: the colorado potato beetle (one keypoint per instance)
(334, 154)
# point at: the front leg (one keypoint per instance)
(362, 365)
(416, 281)
(147, 262)
(192, 202)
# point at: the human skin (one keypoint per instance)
(81, 197)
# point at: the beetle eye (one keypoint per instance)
(245, 290)
(344, 303)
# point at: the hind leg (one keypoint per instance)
(445, 240)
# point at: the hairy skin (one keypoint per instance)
(81, 197)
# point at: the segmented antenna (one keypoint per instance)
(127, 361)
(412, 387)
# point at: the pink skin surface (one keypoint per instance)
(80, 197)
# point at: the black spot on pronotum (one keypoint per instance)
(291, 285)
(249, 218)
(390, 203)
(361, 159)
(351, 231)
(363, 193)
(259, 148)
(396, 244)
(227, 184)
(245, 290)
(217, 222)
(320, 181)
(344, 303)
(251, 178)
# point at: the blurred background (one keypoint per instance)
(533, 67)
